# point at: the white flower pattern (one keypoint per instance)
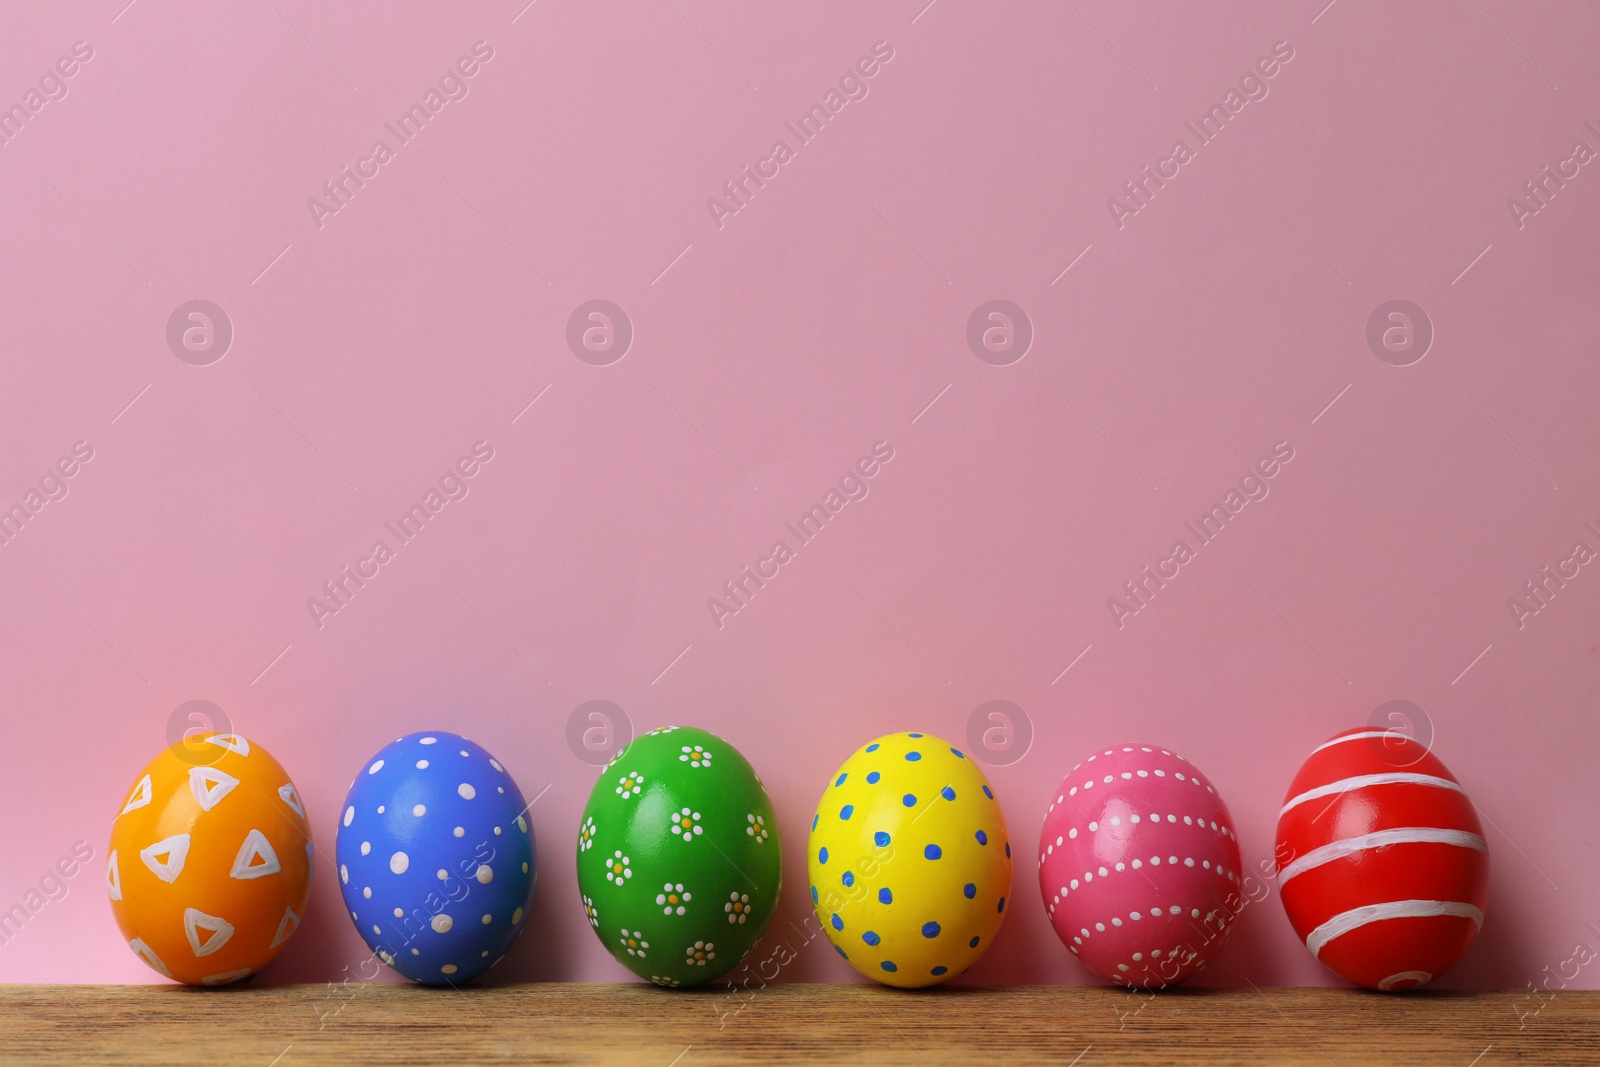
(686, 824)
(618, 868)
(757, 828)
(699, 953)
(695, 756)
(634, 942)
(628, 785)
(672, 898)
(737, 907)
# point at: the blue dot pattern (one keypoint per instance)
(433, 827)
(920, 894)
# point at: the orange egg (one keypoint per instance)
(209, 868)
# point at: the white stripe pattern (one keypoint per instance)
(1419, 977)
(1361, 781)
(1407, 835)
(1356, 918)
(1349, 737)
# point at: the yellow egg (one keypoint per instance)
(909, 861)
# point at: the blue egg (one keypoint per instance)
(436, 858)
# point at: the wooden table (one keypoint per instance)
(641, 1026)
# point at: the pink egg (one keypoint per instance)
(1139, 866)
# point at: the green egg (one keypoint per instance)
(679, 861)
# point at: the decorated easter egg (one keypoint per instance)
(210, 862)
(909, 861)
(436, 857)
(1139, 866)
(1381, 860)
(678, 857)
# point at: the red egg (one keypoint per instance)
(1382, 864)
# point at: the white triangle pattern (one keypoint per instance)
(225, 977)
(231, 742)
(139, 797)
(144, 952)
(175, 848)
(286, 927)
(255, 847)
(291, 798)
(195, 920)
(210, 785)
(114, 876)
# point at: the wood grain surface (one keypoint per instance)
(642, 1026)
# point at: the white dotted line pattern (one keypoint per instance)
(1155, 861)
(1116, 820)
(1084, 934)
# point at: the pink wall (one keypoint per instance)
(770, 352)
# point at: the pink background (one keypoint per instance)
(769, 354)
